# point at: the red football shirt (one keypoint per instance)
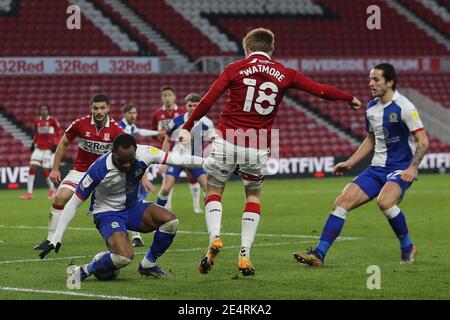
(162, 117)
(47, 133)
(94, 142)
(256, 86)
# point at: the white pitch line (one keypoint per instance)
(193, 232)
(69, 293)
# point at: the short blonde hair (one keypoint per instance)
(259, 39)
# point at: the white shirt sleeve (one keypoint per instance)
(410, 116)
(146, 132)
(150, 155)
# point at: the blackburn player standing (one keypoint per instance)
(160, 121)
(47, 134)
(128, 123)
(256, 86)
(114, 179)
(397, 137)
(96, 133)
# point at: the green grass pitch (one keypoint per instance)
(293, 213)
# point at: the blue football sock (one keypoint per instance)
(331, 231)
(102, 265)
(161, 242)
(400, 228)
(161, 202)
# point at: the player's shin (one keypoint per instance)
(30, 181)
(195, 192)
(53, 220)
(161, 242)
(397, 221)
(104, 263)
(331, 230)
(250, 221)
(213, 215)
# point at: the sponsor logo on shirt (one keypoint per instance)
(96, 147)
(86, 182)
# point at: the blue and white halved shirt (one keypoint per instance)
(202, 131)
(393, 125)
(112, 189)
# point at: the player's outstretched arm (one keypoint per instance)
(366, 147)
(147, 133)
(184, 160)
(55, 174)
(66, 217)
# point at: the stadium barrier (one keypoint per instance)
(283, 168)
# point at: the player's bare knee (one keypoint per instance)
(384, 204)
(121, 261)
(170, 226)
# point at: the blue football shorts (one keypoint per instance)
(372, 180)
(109, 222)
(175, 171)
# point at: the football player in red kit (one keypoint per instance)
(96, 133)
(256, 86)
(47, 134)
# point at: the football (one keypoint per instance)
(105, 276)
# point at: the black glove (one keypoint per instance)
(53, 148)
(50, 248)
(32, 147)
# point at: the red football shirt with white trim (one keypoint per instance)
(93, 142)
(47, 133)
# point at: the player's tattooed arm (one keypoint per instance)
(421, 149)
(409, 174)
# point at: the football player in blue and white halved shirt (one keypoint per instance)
(203, 132)
(113, 180)
(397, 137)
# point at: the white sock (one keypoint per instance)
(147, 263)
(169, 199)
(250, 221)
(213, 215)
(135, 234)
(50, 184)
(54, 216)
(30, 183)
(195, 192)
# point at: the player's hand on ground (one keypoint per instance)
(55, 176)
(355, 104)
(341, 167)
(49, 249)
(185, 136)
(148, 186)
(409, 174)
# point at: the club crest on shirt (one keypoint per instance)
(393, 117)
(106, 136)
